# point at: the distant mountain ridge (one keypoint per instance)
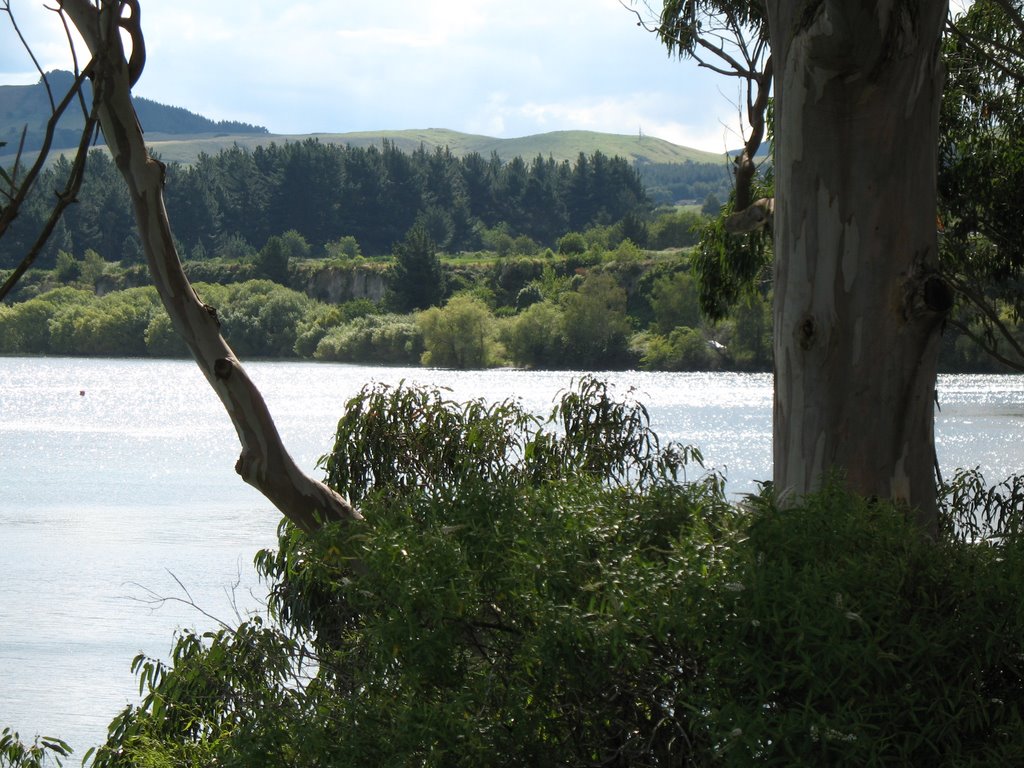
(179, 135)
(27, 108)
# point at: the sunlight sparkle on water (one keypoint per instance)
(104, 495)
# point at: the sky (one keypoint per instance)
(502, 68)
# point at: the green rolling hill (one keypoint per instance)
(180, 136)
(561, 145)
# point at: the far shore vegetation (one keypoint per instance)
(379, 256)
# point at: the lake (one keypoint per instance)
(117, 488)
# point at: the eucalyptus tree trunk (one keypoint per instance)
(264, 462)
(858, 302)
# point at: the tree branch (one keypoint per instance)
(990, 316)
(264, 462)
(1012, 13)
(990, 58)
(756, 118)
(760, 214)
(735, 69)
(64, 198)
(707, 41)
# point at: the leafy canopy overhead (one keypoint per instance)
(981, 164)
(692, 28)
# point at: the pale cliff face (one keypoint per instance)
(336, 285)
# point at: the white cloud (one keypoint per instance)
(487, 66)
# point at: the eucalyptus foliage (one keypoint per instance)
(981, 164)
(729, 267)
(509, 600)
(570, 591)
(46, 750)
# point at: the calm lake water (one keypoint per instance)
(112, 497)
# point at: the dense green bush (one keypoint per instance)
(683, 349)
(110, 325)
(626, 252)
(501, 605)
(386, 338)
(534, 338)
(595, 325)
(509, 276)
(462, 334)
(343, 249)
(554, 592)
(321, 318)
(572, 243)
(73, 321)
(161, 338)
(259, 318)
(673, 300)
(25, 327)
(528, 296)
(851, 639)
(586, 329)
(677, 229)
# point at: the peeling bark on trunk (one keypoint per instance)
(858, 302)
(264, 463)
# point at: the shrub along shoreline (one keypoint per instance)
(588, 309)
(619, 309)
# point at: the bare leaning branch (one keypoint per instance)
(17, 186)
(65, 197)
(264, 462)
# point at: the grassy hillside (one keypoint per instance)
(561, 145)
(180, 136)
